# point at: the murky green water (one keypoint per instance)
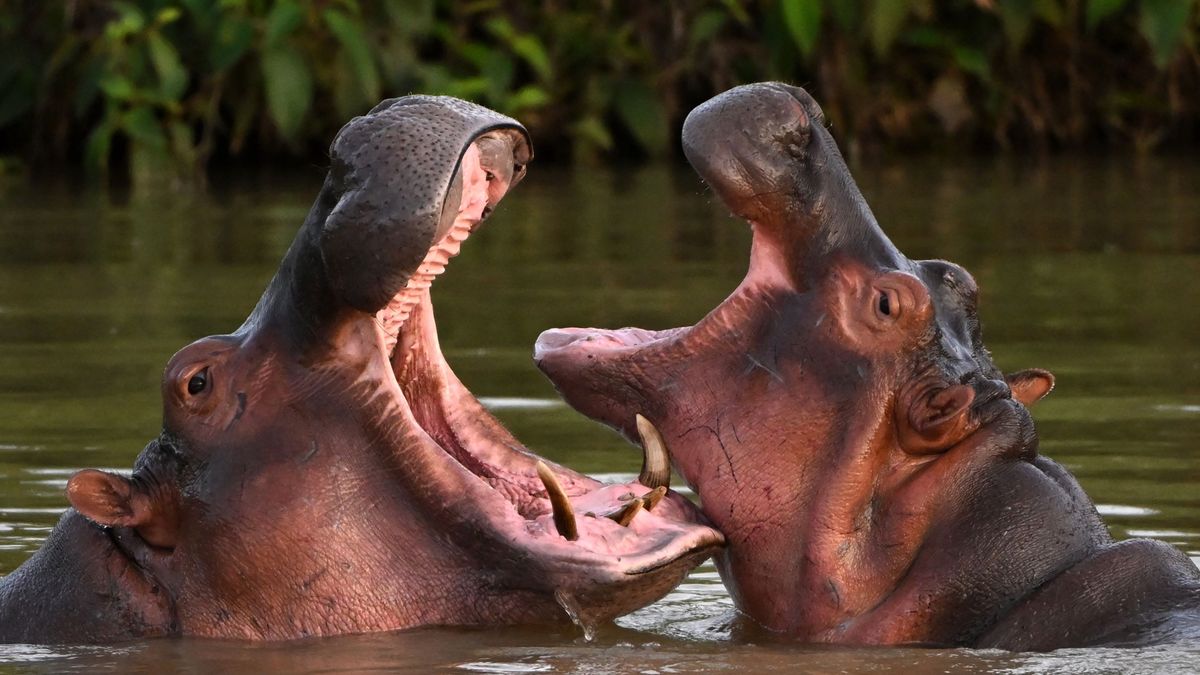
(1090, 269)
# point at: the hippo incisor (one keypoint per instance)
(876, 476)
(321, 470)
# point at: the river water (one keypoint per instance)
(1089, 267)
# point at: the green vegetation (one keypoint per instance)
(106, 83)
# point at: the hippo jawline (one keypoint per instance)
(505, 484)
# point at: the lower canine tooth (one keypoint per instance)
(625, 516)
(654, 496)
(564, 515)
(656, 461)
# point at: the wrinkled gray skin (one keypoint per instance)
(876, 476)
(321, 470)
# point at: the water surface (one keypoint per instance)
(1088, 268)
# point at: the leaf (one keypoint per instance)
(284, 18)
(143, 126)
(477, 54)
(737, 11)
(592, 130)
(498, 71)
(96, 149)
(531, 50)
(705, 26)
(887, 18)
(129, 21)
(349, 34)
(1163, 25)
(973, 61)
(289, 88)
(167, 15)
(1016, 16)
(409, 17)
(642, 113)
(527, 98)
(501, 28)
(1099, 10)
(925, 37)
(183, 144)
(231, 41)
(803, 19)
(202, 12)
(845, 14)
(172, 77)
(1050, 11)
(116, 87)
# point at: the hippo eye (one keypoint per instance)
(198, 382)
(489, 176)
(885, 304)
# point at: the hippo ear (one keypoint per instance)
(116, 501)
(1031, 385)
(938, 420)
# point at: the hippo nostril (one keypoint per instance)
(556, 339)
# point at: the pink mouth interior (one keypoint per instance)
(470, 436)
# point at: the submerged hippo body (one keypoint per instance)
(876, 476)
(322, 471)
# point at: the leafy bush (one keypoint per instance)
(103, 82)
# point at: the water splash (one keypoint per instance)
(575, 612)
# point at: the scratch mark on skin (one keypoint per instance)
(717, 435)
(759, 364)
(833, 589)
(313, 449)
(307, 583)
(241, 408)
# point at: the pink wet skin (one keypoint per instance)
(475, 189)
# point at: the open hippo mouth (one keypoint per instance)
(603, 549)
(631, 528)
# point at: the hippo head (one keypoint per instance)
(322, 470)
(838, 414)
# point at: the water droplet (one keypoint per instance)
(575, 613)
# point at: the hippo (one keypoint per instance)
(842, 423)
(322, 471)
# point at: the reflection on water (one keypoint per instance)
(1088, 269)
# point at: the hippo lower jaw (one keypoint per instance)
(474, 472)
